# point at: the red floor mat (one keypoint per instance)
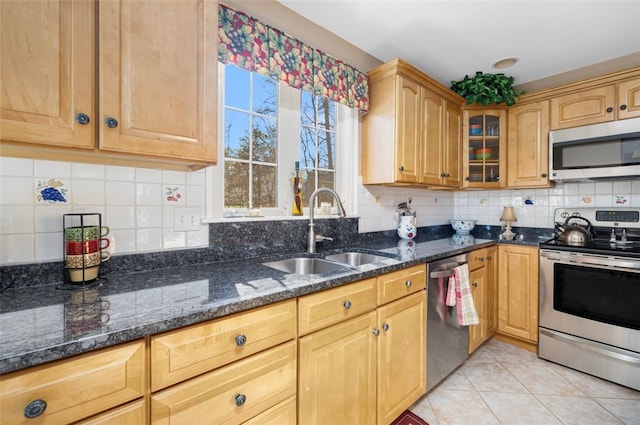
(408, 418)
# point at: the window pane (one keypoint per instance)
(307, 147)
(265, 139)
(236, 134)
(307, 109)
(236, 87)
(326, 113)
(265, 97)
(326, 149)
(236, 185)
(265, 190)
(308, 187)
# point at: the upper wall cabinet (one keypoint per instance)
(484, 153)
(156, 76)
(596, 105)
(412, 132)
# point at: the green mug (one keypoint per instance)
(86, 233)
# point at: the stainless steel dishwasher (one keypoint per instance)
(447, 342)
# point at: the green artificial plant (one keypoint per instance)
(486, 89)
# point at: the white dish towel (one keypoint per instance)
(459, 295)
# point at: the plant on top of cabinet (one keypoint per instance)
(487, 88)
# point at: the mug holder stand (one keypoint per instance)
(79, 220)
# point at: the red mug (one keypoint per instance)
(87, 247)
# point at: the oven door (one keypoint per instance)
(591, 296)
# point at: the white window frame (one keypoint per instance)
(347, 159)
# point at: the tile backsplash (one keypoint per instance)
(137, 204)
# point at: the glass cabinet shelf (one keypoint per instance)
(484, 141)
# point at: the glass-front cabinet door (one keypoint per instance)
(484, 154)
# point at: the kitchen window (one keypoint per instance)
(265, 127)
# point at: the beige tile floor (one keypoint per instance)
(501, 384)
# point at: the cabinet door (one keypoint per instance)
(452, 146)
(76, 388)
(484, 153)
(432, 135)
(518, 291)
(491, 290)
(158, 78)
(529, 145)
(337, 374)
(583, 107)
(402, 356)
(47, 72)
(231, 394)
(478, 333)
(408, 126)
(629, 99)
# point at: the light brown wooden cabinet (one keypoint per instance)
(482, 277)
(156, 75)
(371, 367)
(528, 145)
(77, 388)
(411, 134)
(518, 292)
(131, 413)
(484, 150)
(595, 105)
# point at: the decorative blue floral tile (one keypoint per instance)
(51, 191)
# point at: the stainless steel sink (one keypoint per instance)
(355, 259)
(304, 265)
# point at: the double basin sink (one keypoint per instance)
(341, 262)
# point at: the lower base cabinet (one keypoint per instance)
(232, 394)
(370, 368)
(129, 414)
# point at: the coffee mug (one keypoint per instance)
(86, 247)
(78, 234)
(83, 275)
(87, 260)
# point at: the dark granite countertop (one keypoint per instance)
(42, 323)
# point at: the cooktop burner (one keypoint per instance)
(616, 230)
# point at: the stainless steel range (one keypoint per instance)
(590, 293)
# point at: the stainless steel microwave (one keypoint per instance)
(600, 151)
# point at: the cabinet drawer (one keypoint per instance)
(190, 351)
(132, 413)
(395, 285)
(232, 394)
(477, 259)
(319, 310)
(283, 413)
(75, 388)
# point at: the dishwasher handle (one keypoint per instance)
(448, 271)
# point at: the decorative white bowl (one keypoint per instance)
(463, 227)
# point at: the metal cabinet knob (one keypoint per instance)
(347, 305)
(609, 109)
(543, 175)
(481, 259)
(82, 118)
(474, 284)
(623, 107)
(376, 331)
(111, 122)
(385, 327)
(489, 257)
(408, 283)
(35, 409)
(240, 399)
(241, 340)
(401, 168)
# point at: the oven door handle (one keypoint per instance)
(591, 346)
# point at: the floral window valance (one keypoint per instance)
(257, 47)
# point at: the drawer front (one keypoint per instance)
(181, 354)
(75, 388)
(322, 309)
(477, 259)
(232, 394)
(132, 413)
(281, 414)
(395, 285)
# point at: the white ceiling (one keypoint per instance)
(450, 38)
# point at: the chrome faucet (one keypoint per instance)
(312, 237)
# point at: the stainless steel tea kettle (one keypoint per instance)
(574, 233)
